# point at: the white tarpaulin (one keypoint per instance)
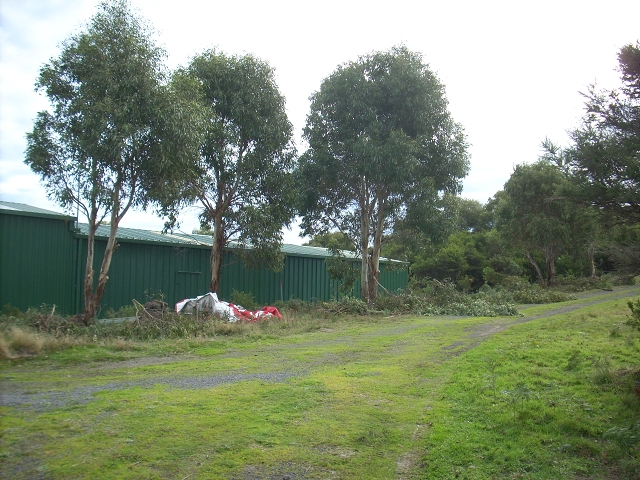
(209, 303)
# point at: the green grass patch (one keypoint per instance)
(337, 397)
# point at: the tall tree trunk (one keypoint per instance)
(374, 258)
(364, 239)
(551, 272)
(364, 246)
(549, 254)
(90, 308)
(216, 253)
(536, 267)
(112, 244)
(592, 263)
(374, 273)
(92, 300)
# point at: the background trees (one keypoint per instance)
(605, 156)
(383, 148)
(243, 172)
(384, 162)
(533, 218)
(115, 134)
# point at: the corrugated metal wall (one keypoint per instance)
(43, 261)
(142, 271)
(36, 261)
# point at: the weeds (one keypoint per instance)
(634, 319)
(603, 374)
(364, 396)
(25, 343)
(574, 361)
(492, 377)
(246, 300)
(521, 292)
(627, 437)
(517, 397)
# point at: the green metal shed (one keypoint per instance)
(36, 257)
(49, 250)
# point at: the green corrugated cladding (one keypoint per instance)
(142, 271)
(36, 260)
(43, 261)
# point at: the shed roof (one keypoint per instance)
(24, 209)
(155, 237)
(194, 239)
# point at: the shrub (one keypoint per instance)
(519, 291)
(625, 436)
(5, 353)
(349, 306)
(244, 299)
(24, 342)
(634, 319)
(432, 297)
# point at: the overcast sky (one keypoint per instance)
(513, 71)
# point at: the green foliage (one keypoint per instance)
(517, 290)
(459, 259)
(349, 306)
(245, 299)
(331, 240)
(115, 135)
(604, 158)
(626, 436)
(243, 173)
(634, 319)
(341, 269)
(536, 219)
(474, 216)
(517, 397)
(9, 310)
(383, 149)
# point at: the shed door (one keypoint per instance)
(188, 285)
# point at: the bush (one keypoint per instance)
(634, 319)
(5, 352)
(24, 342)
(432, 297)
(520, 291)
(347, 306)
(244, 299)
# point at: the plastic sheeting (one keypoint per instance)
(209, 303)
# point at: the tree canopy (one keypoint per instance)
(116, 130)
(605, 155)
(243, 171)
(383, 149)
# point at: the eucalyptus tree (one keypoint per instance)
(243, 185)
(383, 148)
(116, 132)
(535, 218)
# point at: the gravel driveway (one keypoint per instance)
(41, 396)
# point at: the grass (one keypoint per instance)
(363, 397)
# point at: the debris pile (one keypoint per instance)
(209, 303)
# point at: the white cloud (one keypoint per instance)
(512, 70)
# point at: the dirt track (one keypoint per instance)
(43, 396)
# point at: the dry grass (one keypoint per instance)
(121, 345)
(5, 353)
(25, 343)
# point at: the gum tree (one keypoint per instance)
(383, 149)
(243, 184)
(116, 130)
